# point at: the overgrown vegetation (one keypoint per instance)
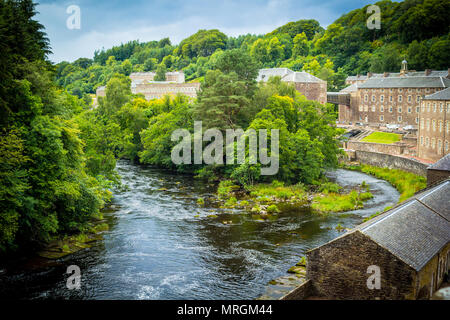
(406, 183)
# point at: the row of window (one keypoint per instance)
(390, 109)
(391, 98)
(418, 90)
(435, 107)
(434, 143)
(434, 124)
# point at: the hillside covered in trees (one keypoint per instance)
(416, 30)
(58, 154)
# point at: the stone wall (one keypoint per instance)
(302, 292)
(338, 270)
(313, 90)
(391, 162)
(435, 176)
(394, 148)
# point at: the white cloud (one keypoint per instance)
(106, 25)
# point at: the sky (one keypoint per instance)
(105, 23)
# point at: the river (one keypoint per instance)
(163, 245)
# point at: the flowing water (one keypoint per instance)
(163, 245)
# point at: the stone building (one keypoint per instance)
(439, 171)
(176, 76)
(143, 83)
(434, 130)
(310, 86)
(395, 100)
(407, 246)
(390, 98)
(156, 90)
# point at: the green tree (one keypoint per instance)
(161, 72)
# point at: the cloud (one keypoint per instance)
(105, 23)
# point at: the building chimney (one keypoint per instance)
(427, 72)
(369, 74)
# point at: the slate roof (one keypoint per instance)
(406, 82)
(350, 88)
(440, 95)
(416, 230)
(286, 75)
(441, 164)
(433, 73)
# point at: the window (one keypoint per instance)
(399, 118)
(399, 109)
(441, 107)
(421, 140)
(409, 98)
(366, 98)
(428, 107)
(427, 90)
(433, 143)
(361, 108)
(440, 125)
(373, 98)
(381, 109)
(417, 109)
(428, 124)
(409, 109)
(382, 98)
(427, 141)
(417, 98)
(366, 108)
(418, 90)
(391, 109)
(400, 98)
(373, 108)
(391, 98)
(448, 107)
(400, 90)
(417, 120)
(434, 125)
(409, 89)
(434, 107)
(381, 118)
(422, 124)
(439, 145)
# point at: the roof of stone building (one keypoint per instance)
(350, 88)
(416, 230)
(432, 73)
(301, 77)
(406, 82)
(440, 95)
(441, 164)
(286, 75)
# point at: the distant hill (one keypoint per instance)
(416, 30)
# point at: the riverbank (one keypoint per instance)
(406, 183)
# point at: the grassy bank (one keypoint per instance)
(406, 183)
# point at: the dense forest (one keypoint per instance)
(416, 30)
(58, 154)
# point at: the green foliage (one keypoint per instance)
(406, 183)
